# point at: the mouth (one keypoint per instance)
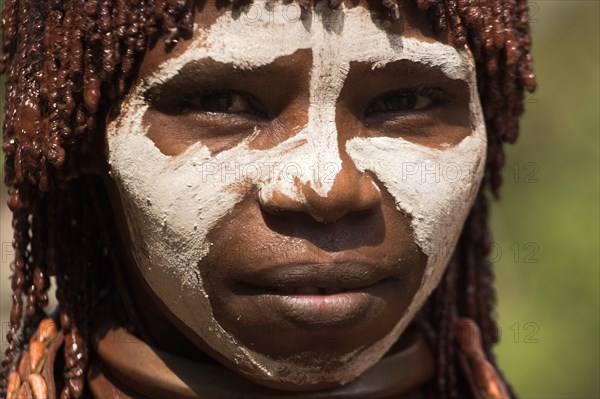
(315, 278)
(308, 290)
(319, 294)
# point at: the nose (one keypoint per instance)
(351, 191)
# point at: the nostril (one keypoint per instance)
(351, 192)
(274, 200)
(363, 198)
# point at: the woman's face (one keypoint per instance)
(294, 182)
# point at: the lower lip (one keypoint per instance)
(334, 310)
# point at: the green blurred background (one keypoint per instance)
(546, 226)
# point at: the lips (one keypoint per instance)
(319, 294)
(309, 290)
(314, 278)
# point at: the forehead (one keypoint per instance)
(412, 22)
(261, 31)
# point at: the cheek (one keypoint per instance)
(171, 204)
(436, 187)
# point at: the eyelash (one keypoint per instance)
(432, 97)
(209, 101)
(202, 102)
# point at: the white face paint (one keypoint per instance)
(172, 202)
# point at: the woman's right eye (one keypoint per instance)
(204, 103)
(217, 102)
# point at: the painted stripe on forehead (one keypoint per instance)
(337, 37)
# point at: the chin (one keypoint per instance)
(326, 363)
(309, 371)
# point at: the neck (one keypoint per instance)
(136, 369)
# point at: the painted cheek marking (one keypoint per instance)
(175, 201)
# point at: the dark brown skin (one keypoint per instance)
(44, 56)
(354, 224)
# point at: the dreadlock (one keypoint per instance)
(66, 60)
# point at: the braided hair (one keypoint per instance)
(65, 61)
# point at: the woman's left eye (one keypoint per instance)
(404, 101)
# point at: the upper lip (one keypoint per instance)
(349, 275)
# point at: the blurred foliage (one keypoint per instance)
(547, 225)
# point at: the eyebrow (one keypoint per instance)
(206, 72)
(453, 63)
(404, 71)
(208, 68)
(401, 56)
